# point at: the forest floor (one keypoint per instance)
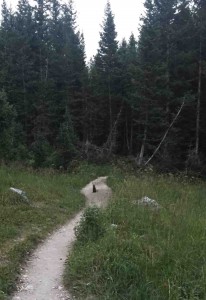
(42, 277)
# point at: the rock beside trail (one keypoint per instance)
(146, 201)
(20, 193)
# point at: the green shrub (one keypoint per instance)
(41, 150)
(91, 226)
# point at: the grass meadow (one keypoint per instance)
(146, 254)
(54, 198)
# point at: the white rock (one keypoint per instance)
(20, 193)
(146, 201)
(114, 225)
(29, 287)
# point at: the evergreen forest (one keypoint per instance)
(143, 98)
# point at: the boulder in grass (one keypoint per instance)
(114, 226)
(20, 193)
(146, 201)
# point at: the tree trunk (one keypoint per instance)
(127, 132)
(141, 155)
(198, 102)
(111, 141)
(110, 106)
(24, 93)
(131, 133)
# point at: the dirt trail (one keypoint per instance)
(42, 276)
(100, 198)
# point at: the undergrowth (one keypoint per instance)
(145, 254)
(91, 226)
(54, 198)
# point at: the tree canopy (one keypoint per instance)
(142, 98)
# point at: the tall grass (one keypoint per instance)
(54, 198)
(150, 254)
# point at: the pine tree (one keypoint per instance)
(156, 47)
(72, 76)
(128, 63)
(150, 74)
(7, 125)
(142, 98)
(132, 91)
(183, 68)
(41, 126)
(201, 48)
(23, 61)
(7, 27)
(106, 65)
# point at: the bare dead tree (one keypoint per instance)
(198, 102)
(141, 155)
(111, 140)
(165, 135)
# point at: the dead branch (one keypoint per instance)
(110, 141)
(165, 135)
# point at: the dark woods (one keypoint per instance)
(144, 98)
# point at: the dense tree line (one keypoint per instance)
(142, 98)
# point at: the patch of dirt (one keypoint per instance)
(41, 279)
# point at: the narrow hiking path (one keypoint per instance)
(42, 275)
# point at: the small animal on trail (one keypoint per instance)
(94, 188)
